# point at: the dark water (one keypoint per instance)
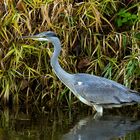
(64, 125)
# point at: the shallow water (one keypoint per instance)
(64, 125)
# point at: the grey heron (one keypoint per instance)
(94, 91)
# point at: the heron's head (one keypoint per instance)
(44, 36)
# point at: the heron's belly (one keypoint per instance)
(78, 96)
(83, 100)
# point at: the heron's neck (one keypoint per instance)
(61, 73)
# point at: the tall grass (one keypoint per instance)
(98, 37)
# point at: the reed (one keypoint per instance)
(98, 37)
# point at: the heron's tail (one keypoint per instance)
(135, 97)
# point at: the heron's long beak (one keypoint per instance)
(35, 37)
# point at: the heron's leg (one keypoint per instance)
(97, 116)
(99, 109)
(99, 112)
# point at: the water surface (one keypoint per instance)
(65, 125)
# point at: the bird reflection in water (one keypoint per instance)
(103, 128)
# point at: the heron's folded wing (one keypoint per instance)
(102, 93)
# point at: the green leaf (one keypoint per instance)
(119, 22)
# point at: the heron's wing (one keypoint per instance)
(101, 91)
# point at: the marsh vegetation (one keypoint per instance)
(100, 37)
